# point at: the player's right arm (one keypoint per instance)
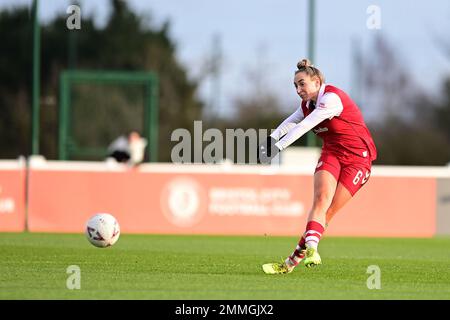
(330, 106)
(288, 124)
(267, 149)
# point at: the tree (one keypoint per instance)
(127, 42)
(410, 129)
(442, 112)
(15, 82)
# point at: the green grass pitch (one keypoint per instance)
(34, 266)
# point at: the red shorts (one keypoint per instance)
(352, 171)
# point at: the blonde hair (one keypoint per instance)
(307, 67)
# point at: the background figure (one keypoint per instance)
(136, 145)
(128, 149)
(118, 149)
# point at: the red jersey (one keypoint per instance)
(346, 132)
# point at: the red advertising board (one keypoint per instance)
(12, 196)
(167, 200)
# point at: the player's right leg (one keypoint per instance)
(353, 177)
(340, 199)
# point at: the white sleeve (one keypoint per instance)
(329, 106)
(288, 124)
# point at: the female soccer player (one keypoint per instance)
(345, 162)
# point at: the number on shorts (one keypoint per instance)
(364, 180)
(358, 177)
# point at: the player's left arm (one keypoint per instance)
(329, 106)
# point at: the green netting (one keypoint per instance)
(97, 107)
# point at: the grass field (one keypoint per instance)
(33, 266)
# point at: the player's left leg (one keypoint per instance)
(325, 183)
(340, 198)
(324, 188)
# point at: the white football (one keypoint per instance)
(102, 230)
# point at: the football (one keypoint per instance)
(102, 230)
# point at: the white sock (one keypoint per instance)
(289, 263)
(312, 244)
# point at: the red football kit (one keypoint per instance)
(348, 148)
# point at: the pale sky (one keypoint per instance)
(271, 36)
